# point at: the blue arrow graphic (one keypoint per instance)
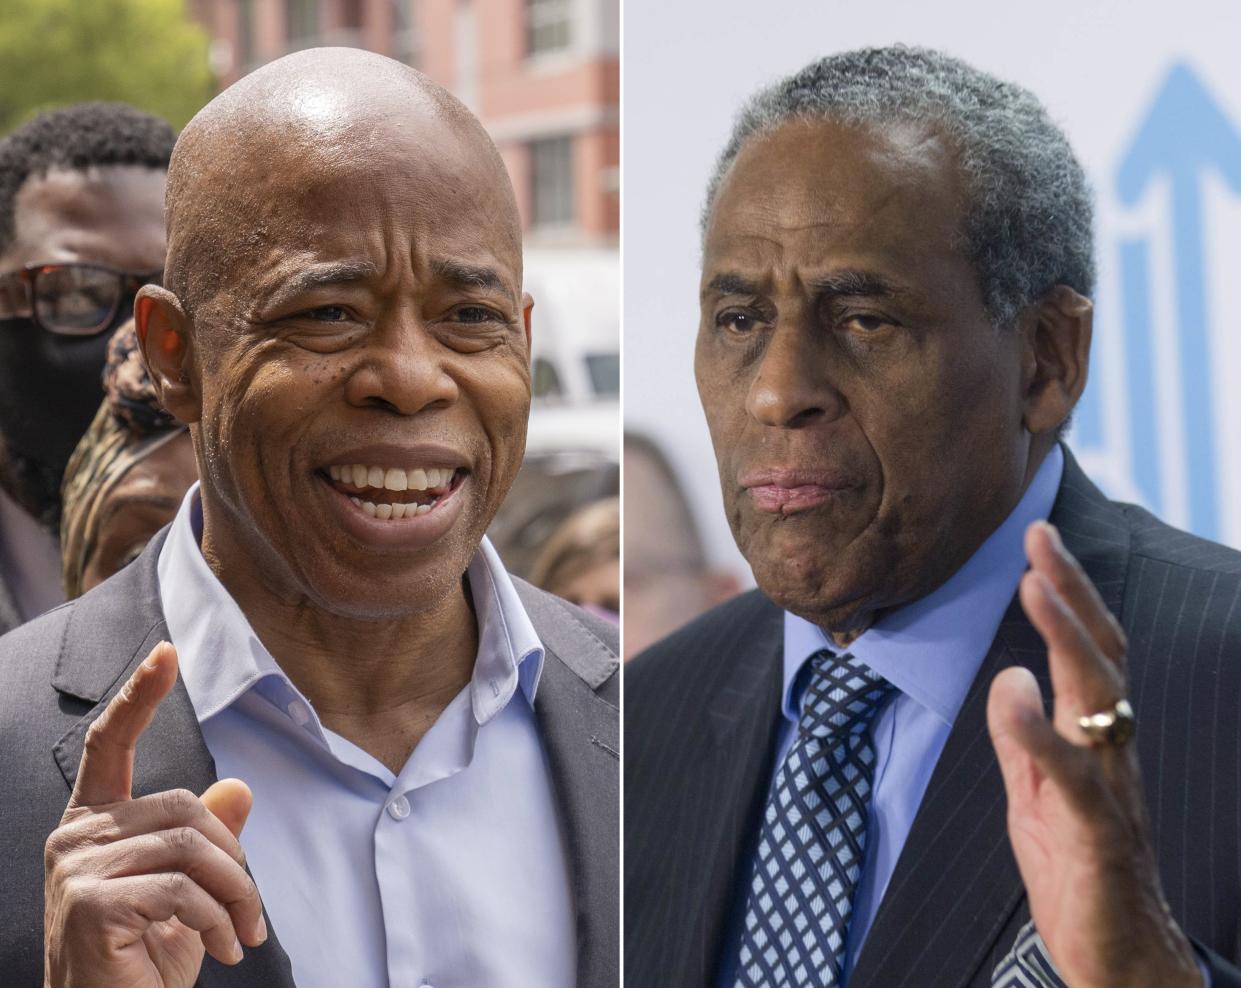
(1183, 135)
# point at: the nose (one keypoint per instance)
(791, 387)
(405, 370)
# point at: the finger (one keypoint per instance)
(1029, 749)
(1014, 698)
(1083, 679)
(184, 850)
(1048, 556)
(229, 800)
(165, 810)
(140, 900)
(105, 774)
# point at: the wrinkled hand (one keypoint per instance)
(1076, 817)
(136, 889)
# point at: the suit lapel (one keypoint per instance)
(956, 883)
(111, 630)
(736, 758)
(581, 735)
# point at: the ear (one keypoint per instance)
(527, 307)
(1057, 334)
(163, 332)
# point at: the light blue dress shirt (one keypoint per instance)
(930, 651)
(452, 874)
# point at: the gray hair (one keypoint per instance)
(1027, 224)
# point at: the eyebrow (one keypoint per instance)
(731, 284)
(838, 283)
(856, 283)
(319, 276)
(470, 276)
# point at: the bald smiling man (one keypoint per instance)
(369, 756)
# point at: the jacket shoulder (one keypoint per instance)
(1158, 541)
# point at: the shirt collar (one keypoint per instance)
(221, 658)
(931, 649)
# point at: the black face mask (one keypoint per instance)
(50, 389)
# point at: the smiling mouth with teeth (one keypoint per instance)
(390, 493)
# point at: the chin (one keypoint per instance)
(836, 589)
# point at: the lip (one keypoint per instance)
(788, 490)
(399, 455)
(401, 533)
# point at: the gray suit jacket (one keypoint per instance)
(58, 672)
(701, 710)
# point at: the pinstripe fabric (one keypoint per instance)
(701, 709)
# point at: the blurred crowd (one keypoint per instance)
(91, 466)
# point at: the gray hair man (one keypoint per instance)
(895, 327)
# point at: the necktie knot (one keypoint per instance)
(842, 696)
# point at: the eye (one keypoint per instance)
(865, 322)
(326, 313)
(739, 321)
(477, 314)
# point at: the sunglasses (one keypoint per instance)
(70, 299)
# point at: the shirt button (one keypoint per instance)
(398, 809)
(299, 713)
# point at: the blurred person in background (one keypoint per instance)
(126, 477)
(667, 579)
(81, 229)
(581, 561)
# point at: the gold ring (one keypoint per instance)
(1112, 727)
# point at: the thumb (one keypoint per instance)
(230, 800)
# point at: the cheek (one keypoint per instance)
(500, 395)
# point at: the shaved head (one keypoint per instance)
(326, 112)
(344, 278)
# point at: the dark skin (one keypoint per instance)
(872, 427)
(112, 215)
(139, 505)
(345, 272)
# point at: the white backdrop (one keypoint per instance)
(1150, 96)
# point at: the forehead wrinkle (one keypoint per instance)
(344, 106)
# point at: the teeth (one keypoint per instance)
(392, 478)
(391, 512)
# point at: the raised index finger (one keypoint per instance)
(106, 772)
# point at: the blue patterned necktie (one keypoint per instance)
(811, 846)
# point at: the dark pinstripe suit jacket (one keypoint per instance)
(701, 709)
(58, 672)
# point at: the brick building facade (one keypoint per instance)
(542, 75)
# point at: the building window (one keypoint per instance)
(245, 34)
(351, 15)
(548, 26)
(301, 21)
(404, 33)
(546, 379)
(551, 177)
